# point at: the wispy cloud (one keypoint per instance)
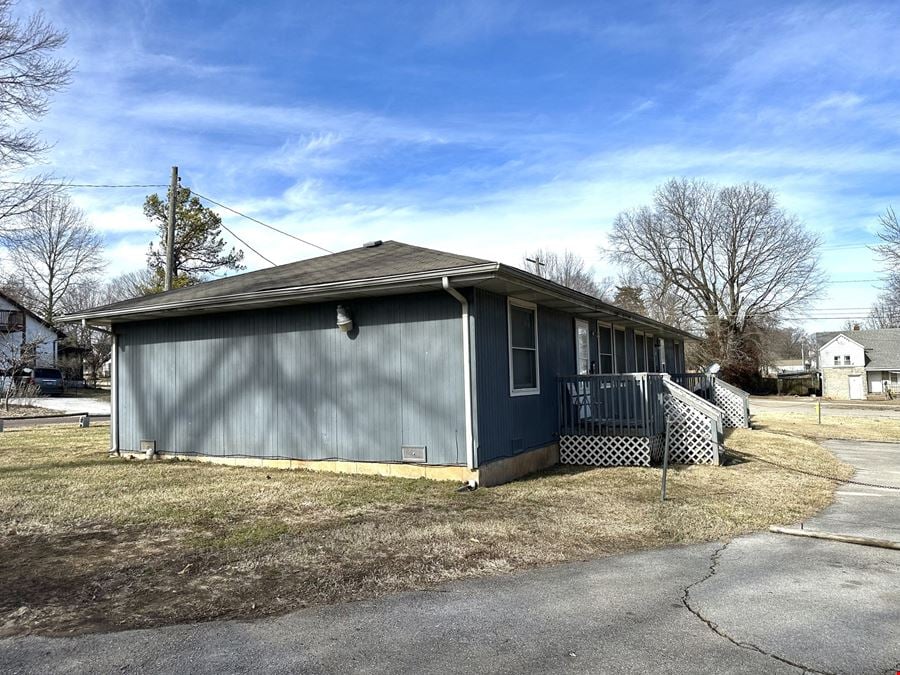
(484, 127)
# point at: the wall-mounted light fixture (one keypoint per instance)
(344, 319)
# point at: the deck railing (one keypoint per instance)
(628, 404)
(701, 384)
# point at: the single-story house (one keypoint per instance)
(856, 364)
(25, 338)
(389, 358)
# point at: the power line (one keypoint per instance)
(256, 220)
(227, 229)
(87, 185)
(856, 281)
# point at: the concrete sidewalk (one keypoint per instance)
(763, 603)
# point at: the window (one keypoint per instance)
(12, 321)
(604, 341)
(846, 360)
(641, 353)
(837, 360)
(523, 349)
(582, 347)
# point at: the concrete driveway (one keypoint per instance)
(807, 406)
(762, 603)
(68, 404)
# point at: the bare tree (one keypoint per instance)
(17, 354)
(735, 259)
(567, 269)
(131, 285)
(29, 74)
(53, 249)
(95, 343)
(889, 250)
(658, 301)
(886, 311)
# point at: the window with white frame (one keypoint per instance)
(837, 360)
(846, 360)
(582, 347)
(523, 348)
(605, 344)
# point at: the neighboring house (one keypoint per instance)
(21, 330)
(856, 364)
(389, 359)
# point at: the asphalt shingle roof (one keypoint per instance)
(882, 346)
(387, 259)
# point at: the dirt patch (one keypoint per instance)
(20, 411)
(89, 543)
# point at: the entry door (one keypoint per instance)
(857, 390)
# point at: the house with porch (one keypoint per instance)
(398, 360)
(859, 364)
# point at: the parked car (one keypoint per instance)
(47, 380)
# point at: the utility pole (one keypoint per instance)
(170, 231)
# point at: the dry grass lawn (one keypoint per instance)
(91, 543)
(833, 426)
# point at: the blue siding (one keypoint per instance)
(286, 382)
(508, 424)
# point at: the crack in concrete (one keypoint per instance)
(714, 627)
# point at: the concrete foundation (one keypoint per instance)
(494, 473)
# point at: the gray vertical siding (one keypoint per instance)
(508, 424)
(286, 382)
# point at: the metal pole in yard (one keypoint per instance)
(170, 230)
(665, 461)
(819, 411)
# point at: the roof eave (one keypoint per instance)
(580, 303)
(591, 306)
(261, 299)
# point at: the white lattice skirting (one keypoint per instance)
(690, 436)
(610, 450)
(734, 411)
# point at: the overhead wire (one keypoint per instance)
(258, 221)
(201, 196)
(229, 230)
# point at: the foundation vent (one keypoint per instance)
(148, 448)
(413, 453)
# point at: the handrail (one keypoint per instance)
(737, 391)
(692, 399)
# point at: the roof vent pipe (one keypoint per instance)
(373, 244)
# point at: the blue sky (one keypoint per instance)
(480, 127)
